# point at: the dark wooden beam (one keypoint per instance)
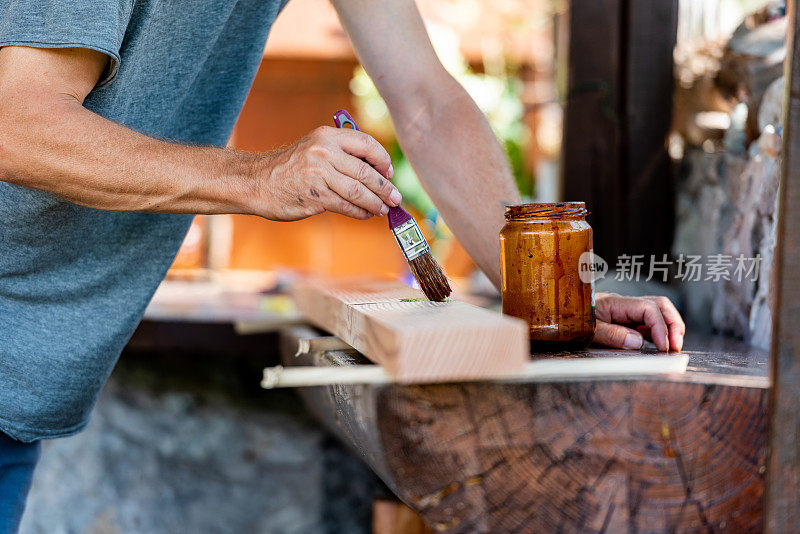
(617, 118)
(646, 102)
(591, 144)
(783, 497)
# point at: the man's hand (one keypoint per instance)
(339, 170)
(625, 322)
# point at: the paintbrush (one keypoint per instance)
(423, 265)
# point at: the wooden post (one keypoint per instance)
(783, 476)
(617, 117)
(590, 152)
(647, 86)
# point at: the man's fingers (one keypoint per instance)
(335, 203)
(629, 310)
(675, 324)
(356, 193)
(363, 172)
(651, 317)
(364, 146)
(618, 336)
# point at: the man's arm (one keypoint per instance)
(49, 141)
(445, 136)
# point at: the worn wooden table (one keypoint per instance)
(673, 453)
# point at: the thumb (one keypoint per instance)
(614, 335)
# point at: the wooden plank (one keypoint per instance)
(413, 339)
(555, 368)
(682, 453)
(783, 491)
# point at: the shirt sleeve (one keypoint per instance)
(94, 24)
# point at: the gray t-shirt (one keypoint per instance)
(74, 281)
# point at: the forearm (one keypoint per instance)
(82, 157)
(461, 165)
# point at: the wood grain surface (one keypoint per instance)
(678, 453)
(395, 517)
(414, 339)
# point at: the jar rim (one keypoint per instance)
(546, 210)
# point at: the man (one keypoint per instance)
(111, 113)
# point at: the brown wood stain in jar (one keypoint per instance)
(541, 247)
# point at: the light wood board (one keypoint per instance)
(540, 370)
(415, 340)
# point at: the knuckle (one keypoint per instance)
(368, 143)
(316, 173)
(320, 131)
(355, 212)
(363, 172)
(348, 209)
(354, 191)
(320, 150)
(359, 213)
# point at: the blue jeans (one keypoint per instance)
(17, 461)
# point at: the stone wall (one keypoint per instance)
(168, 451)
(729, 99)
(727, 204)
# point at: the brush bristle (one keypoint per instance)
(430, 277)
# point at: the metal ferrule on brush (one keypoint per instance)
(410, 239)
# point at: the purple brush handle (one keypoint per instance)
(342, 117)
(397, 215)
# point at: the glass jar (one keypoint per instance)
(542, 247)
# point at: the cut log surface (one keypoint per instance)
(394, 517)
(670, 453)
(413, 339)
